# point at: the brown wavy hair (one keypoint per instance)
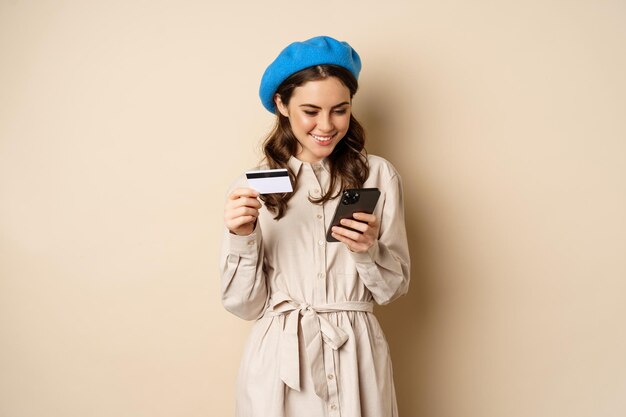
(348, 161)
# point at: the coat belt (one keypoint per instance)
(315, 329)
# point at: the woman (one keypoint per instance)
(316, 348)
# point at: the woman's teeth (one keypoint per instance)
(322, 138)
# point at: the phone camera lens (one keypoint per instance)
(350, 197)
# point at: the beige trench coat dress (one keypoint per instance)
(316, 348)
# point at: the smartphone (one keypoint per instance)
(353, 200)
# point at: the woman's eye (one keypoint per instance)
(314, 113)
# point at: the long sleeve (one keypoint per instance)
(244, 287)
(385, 268)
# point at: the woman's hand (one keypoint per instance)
(242, 210)
(365, 223)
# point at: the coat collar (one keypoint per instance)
(296, 165)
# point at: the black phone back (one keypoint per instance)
(353, 200)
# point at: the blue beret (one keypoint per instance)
(300, 55)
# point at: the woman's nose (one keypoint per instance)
(325, 123)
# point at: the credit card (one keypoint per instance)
(270, 181)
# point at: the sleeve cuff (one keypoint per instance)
(244, 244)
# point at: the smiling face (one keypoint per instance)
(319, 115)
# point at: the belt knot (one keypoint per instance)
(304, 307)
(315, 330)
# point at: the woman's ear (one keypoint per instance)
(280, 106)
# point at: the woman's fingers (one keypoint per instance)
(348, 242)
(242, 208)
(243, 197)
(241, 211)
(243, 202)
(364, 223)
(364, 217)
(352, 235)
(243, 192)
(364, 234)
(353, 224)
(353, 245)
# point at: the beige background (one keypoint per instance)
(123, 122)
